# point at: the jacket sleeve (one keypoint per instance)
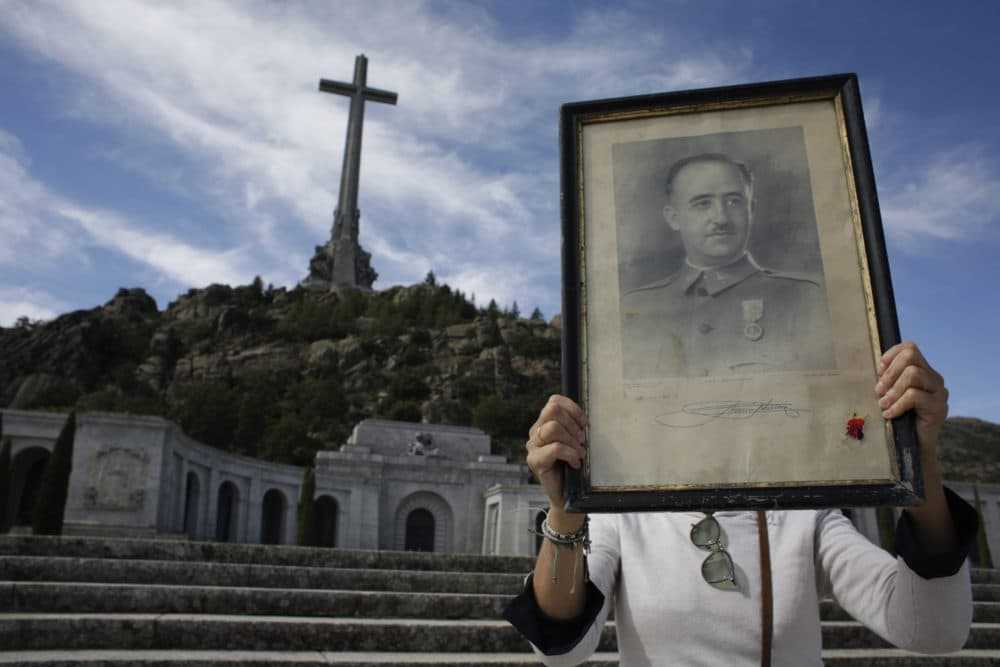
(915, 601)
(559, 643)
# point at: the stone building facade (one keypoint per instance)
(393, 485)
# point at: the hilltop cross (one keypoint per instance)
(342, 262)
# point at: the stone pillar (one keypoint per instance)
(253, 513)
(291, 516)
(212, 516)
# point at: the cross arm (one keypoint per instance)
(349, 89)
(377, 95)
(336, 87)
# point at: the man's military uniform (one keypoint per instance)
(736, 319)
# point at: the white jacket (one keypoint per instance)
(647, 567)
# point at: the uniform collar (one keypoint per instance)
(717, 279)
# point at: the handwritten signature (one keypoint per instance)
(704, 412)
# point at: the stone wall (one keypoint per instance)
(142, 476)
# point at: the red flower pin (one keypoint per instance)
(856, 427)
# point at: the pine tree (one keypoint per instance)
(306, 519)
(982, 546)
(515, 312)
(51, 506)
(4, 481)
(536, 314)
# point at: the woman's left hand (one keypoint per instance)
(908, 382)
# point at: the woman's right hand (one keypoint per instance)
(559, 434)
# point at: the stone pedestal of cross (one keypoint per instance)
(342, 262)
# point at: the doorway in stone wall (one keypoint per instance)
(272, 525)
(326, 521)
(419, 530)
(27, 469)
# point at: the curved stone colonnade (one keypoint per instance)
(394, 485)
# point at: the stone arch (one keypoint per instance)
(420, 526)
(227, 512)
(192, 501)
(327, 517)
(438, 509)
(272, 517)
(27, 469)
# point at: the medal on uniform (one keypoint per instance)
(753, 312)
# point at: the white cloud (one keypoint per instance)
(462, 171)
(31, 238)
(954, 196)
(179, 261)
(17, 302)
(47, 232)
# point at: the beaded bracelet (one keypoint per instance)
(566, 540)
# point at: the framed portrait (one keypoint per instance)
(726, 299)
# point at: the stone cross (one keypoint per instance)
(344, 250)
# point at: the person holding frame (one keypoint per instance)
(667, 613)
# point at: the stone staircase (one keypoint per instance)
(92, 601)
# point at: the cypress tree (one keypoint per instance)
(886, 528)
(982, 546)
(51, 505)
(5, 518)
(306, 518)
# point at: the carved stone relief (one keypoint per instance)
(117, 479)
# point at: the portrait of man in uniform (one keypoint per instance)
(715, 307)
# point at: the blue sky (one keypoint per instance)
(171, 145)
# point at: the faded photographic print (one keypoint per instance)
(719, 263)
(726, 299)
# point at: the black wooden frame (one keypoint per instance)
(844, 90)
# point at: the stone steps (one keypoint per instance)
(39, 631)
(94, 601)
(983, 612)
(983, 576)
(257, 554)
(100, 658)
(896, 658)
(106, 570)
(853, 635)
(57, 597)
(986, 592)
(222, 552)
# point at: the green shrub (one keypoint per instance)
(983, 557)
(5, 481)
(405, 411)
(408, 386)
(287, 440)
(309, 320)
(501, 418)
(208, 412)
(216, 294)
(63, 395)
(524, 344)
(306, 516)
(886, 528)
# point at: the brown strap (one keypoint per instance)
(766, 596)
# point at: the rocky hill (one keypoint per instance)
(970, 450)
(279, 373)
